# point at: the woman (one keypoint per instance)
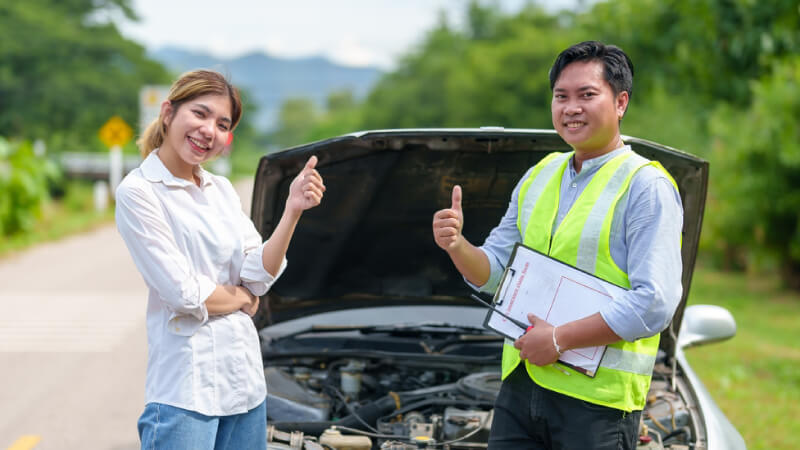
(205, 267)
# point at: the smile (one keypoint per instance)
(574, 125)
(197, 145)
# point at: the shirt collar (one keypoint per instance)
(155, 171)
(590, 165)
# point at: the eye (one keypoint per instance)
(199, 113)
(589, 94)
(222, 127)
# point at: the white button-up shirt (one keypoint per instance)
(186, 240)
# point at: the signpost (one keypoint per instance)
(114, 134)
(150, 98)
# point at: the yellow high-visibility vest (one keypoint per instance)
(582, 240)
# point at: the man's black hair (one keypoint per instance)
(617, 67)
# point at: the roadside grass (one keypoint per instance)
(754, 377)
(73, 213)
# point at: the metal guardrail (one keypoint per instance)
(93, 166)
(96, 166)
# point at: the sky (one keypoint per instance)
(349, 32)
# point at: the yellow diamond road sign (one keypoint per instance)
(115, 132)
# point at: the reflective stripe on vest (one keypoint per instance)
(582, 240)
(532, 187)
(593, 227)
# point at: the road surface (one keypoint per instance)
(73, 346)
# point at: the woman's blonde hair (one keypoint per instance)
(187, 87)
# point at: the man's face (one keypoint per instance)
(585, 111)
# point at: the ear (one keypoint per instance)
(622, 104)
(166, 113)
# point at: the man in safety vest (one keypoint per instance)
(608, 211)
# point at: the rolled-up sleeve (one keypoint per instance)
(253, 275)
(653, 224)
(165, 270)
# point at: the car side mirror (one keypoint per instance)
(704, 324)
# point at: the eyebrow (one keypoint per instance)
(208, 110)
(582, 88)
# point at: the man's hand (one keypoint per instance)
(448, 223)
(306, 189)
(537, 344)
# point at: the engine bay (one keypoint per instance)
(418, 393)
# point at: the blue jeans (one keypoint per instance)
(164, 427)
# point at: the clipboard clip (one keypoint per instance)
(510, 272)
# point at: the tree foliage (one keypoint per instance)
(64, 70)
(757, 203)
(717, 78)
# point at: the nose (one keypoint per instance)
(207, 129)
(572, 109)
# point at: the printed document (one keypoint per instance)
(555, 292)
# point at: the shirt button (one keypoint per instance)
(574, 185)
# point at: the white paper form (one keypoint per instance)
(554, 291)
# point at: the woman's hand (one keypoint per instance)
(251, 308)
(306, 189)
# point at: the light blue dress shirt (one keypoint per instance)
(645, 243)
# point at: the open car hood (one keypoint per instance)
(369, 243)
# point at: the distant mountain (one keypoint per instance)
(270, 81)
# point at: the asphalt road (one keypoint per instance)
(73, 346)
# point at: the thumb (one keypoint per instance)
(533, 319)
(456, 198)
(311, 163)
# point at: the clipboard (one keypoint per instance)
(556, 292)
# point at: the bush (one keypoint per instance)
(24, 186)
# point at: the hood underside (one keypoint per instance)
(369, 243)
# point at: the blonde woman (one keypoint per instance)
(205, 267)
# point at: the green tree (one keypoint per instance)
(64, 70)
(757, 202)
(494, 72)
(295, 120)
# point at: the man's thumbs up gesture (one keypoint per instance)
(447, 223)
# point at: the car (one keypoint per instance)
(370, 338)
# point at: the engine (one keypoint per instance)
(389, 407)
(369, 403)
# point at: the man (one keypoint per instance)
(609, 212)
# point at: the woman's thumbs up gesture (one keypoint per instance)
(306, 189)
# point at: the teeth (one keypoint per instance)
(574, 124)
(197, 143)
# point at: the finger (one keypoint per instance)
(456, 198)
(534, 319)
(311, 163)
(314, 198)
(445, 223)
(314, 178)
(443, 214)
(446, 232)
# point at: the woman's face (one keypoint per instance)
(198, 130)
